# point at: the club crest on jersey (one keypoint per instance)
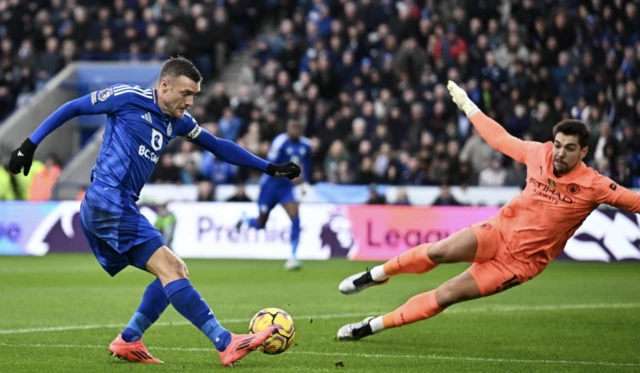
(105, 94)
(573, 188)
(169, 129)
(156, 139)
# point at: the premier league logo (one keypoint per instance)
(336, 234)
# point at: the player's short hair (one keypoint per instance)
(573, 127)
(178, 66)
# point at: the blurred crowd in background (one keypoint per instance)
(365, 77)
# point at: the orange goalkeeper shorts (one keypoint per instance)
(494, 268)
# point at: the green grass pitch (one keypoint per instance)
(59, 313)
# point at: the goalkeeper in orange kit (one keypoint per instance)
(513, 246)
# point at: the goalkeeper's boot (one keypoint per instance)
(242, 344)
(355, 331)
(358, 282)
(134, 352)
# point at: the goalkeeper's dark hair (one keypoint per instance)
(179, 66)
(573, 127)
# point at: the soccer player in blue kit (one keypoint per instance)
(286, 147)
(140, 122)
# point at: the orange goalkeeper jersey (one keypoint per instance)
(538, 222)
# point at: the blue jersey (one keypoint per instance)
(284, 150)
(136, 134)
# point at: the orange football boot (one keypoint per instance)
(242, 344)
(134, 352)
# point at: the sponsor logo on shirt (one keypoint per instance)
(156, 144)
(147, 153)
(548, 192)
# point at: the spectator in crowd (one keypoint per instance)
(7, 185)
(44, 179)
(622, 173)
(445, 198)
(516, 175)
(494, 175)
(166, 223)
(402, 198)
(229, 124)
(206, 191)
(166, 171)
(375, 198)
(240, 194)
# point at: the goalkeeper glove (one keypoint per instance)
(461, 99)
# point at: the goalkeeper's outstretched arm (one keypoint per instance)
(492, 132)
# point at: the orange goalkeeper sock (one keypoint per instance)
(415, 261)
(420, 307)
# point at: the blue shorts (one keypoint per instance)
(118, 234)
(273, 194)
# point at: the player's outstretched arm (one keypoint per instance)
(607, 191)
(22, 157)
(232, 153)
(492, 132)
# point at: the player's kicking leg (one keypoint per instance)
(172, 273)
(292, 209)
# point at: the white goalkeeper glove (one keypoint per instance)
(461, 99)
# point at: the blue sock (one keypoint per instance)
(186, 300)
(295, 235)
(154, 302)
(253, 223)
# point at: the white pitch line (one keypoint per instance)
(464, 310)
(361, 355)
(164, 323)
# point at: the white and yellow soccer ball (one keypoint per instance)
(280, 341)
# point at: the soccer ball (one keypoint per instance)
(283, 338)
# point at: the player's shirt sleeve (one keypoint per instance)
(499, 139)
(189, 128)
(98, 102)
(607, 191)
(224, 149)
